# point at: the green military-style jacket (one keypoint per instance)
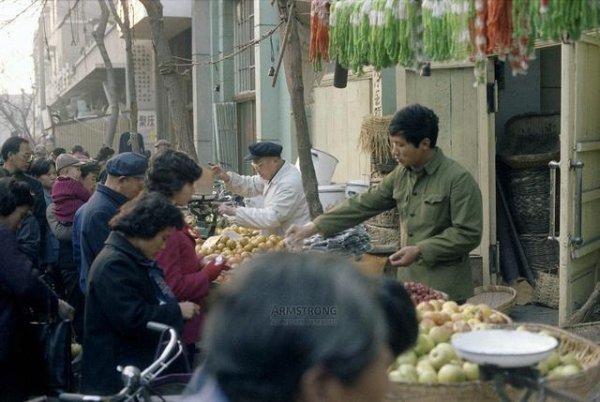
(440, 211)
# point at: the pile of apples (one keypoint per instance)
(433, 359)
(236, 244)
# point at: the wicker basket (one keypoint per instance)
(530, 199)
(541, 253)
(588, 330)
(483, 391)
(547, 289)
(531, 140)
(500, 298)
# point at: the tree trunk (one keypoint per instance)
(292, 62)
(182, 130)
(111, 84)
(133, 108)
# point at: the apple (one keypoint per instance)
(428, 377)
(425, 306)
(569, 359)
(485, 310)
(543, 368)
(450, 307)
(408, 357)
(457, 317)
(424, 344)
(553, 360)
(460, 326)
(450, 373)
(441, 317)
(426, 324)
(440, 334)
(570, 369)
(424, 365)
(408, 371)
(471, 371)
(496, 318)
(437, 304)
(440, 355)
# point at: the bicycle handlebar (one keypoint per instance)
(141, 380)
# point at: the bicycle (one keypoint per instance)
(143, 385)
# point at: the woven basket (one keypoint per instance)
(586, 352)
(530, 199)
(500, 298)
(547, 289)
(374, 132)
(588, 330)
(541, 253)
(483, 391)
(531, 140)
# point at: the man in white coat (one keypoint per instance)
(280, 184)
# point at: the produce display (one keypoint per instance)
(434, 360)
(235, 244)
(420, 293)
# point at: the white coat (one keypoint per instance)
(284, 200)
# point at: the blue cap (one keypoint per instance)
(127, 164)
(261, 149)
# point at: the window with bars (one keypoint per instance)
(244, 34)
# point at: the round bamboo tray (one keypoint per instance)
(501, 298)
(579, 384)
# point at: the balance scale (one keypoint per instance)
(509, 356)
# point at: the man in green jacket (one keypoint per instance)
(439, 204)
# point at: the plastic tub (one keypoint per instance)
(354, 187)
(331, 195)
(324, 165)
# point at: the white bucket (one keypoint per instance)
(354, 187)
(324, 164)
(331, 195)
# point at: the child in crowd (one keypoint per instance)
(68, 193)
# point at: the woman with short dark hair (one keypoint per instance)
(126, 290)
(173, 173)
(295, 327)
(20, 288)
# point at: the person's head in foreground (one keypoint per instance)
(15, 201)
(297, 327)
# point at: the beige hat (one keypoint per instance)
(162, 142)
(66, 160)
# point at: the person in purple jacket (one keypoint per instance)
(20, 287)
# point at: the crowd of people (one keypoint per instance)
(103, 242)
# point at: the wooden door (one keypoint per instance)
(466, 135)
(579, 237)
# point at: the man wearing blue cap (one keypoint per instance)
(124, 181)
(280, 184)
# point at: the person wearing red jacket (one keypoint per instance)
(173, 173)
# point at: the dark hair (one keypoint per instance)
(400, 314)
(104, 154)
(58, 151)
(77, 148)
(12, 145)
(146, 215)
(40, 167)
(14, 193)
(319, 310)
(170, 170)
(415, 123)
(89, 167)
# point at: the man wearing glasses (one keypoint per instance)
(18, 155)
(280, 184)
